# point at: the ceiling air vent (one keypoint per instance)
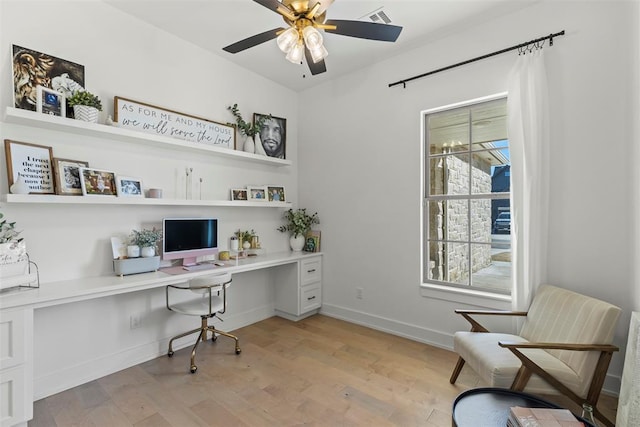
(378, 16)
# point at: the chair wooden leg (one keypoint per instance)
(599, 415)
(456, 370)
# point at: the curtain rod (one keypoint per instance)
(519, 46)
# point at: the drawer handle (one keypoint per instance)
(311, 271)
(310, 298)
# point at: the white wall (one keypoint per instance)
(125, 57)
(360, 164)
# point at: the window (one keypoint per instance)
(466, 211)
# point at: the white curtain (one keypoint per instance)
(528, 129)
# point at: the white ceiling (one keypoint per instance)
(214, 24)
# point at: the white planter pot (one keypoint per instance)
(85, 113)
(148, 251)
(249, 145)
(133, 251)
(296, 243)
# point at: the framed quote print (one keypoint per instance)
(33, 163)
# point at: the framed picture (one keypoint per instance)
(239, 194)
(273, 136)
(275, 194)
(33, 163)
(67, 176)
(129, 187)
(32, 69)
(50, 102)
(257, 193)
(97, 182)
(312, 241)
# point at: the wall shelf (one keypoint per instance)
(63, 124)
(113, 200)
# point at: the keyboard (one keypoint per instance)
(199, 267)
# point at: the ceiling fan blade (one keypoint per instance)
(253, 41)
(364, 30)
(315, 67)
(277, 7)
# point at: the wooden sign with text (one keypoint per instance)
(159, 121)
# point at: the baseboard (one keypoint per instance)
(424, 335)
(74, 376)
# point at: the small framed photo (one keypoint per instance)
(312, 241)
(239, 194)
(257, 194)
(67, 174)
(96, 182)
(129, 187)
(31, 162)
(273, 136)
(49, 101)
(275, 193)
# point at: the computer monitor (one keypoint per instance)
(189, 238)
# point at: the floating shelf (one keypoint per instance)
(78, 127)
(113, 200)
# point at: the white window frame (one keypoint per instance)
(470, 295)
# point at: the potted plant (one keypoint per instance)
(298, 223)
(146, 240)
(247, 129)
(13, 251)
(85, 106)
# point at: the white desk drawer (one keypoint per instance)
(12, 397)
(311, 270)
(12, 335)
(310, 298)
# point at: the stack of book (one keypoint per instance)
(541, 417)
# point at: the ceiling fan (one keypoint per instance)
(302, 38)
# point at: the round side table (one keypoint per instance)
(489, 407)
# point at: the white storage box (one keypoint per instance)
(123, 267)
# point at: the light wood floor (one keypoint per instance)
(319, 371)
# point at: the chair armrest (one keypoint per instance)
(491, 312)
(559, 346)
(477, 327)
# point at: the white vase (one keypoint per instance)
(249, 146)
(148, 251)
(296, 242)
(85, 113)
(19, 187)
(246, 245)
(133, 251)
(258, 143)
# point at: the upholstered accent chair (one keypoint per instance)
(564, 347)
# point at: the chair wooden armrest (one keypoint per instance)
(477, 327)
(560, 346)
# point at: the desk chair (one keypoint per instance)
(212, 299)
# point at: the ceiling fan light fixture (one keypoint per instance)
(288, 39)
(319, 53)
(312, 37)
(295, 53)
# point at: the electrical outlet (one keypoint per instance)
(359, 293)
(135, 321)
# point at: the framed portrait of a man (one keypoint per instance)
(272, 138)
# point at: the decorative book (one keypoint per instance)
(542, 417)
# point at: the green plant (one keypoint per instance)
(82, 97)
(145, 237)
(299, 221)
(248, 129)
(245, 236)
(8, 232)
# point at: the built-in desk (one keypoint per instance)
(298, 294)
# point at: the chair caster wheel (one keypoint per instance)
(193, 369)
(170, 353)
(214, 338)
(238, 351)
